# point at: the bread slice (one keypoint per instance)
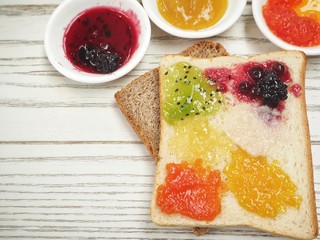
(139, 100)
(249, 126)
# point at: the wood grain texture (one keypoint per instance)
(71, 167)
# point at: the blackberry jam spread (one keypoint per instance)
(101, 39)
(264, 83)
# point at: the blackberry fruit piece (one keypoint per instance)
(84, 51)
(256, 73)
(248, 89)
(279, 68)
(271, 89)
(99, 59)
(107, 62)
(245, 87)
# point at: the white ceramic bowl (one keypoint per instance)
(66, 12)
(233, 12)
(258, 17)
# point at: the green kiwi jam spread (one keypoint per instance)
(187, 92)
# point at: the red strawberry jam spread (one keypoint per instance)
(263, 83)
(190, 190)
(294, 21)
(101, 39)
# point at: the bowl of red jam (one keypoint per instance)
(96, 41)
(196, 18)
(291, 25)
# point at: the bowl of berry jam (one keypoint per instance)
(96, 41)
(291, 25)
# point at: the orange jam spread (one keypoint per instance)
(195, 138)
(260, 187)
(190, 190)
(296, 22)
(192, 14)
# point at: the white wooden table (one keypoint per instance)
(71, 167)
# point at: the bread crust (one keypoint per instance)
(309, 153)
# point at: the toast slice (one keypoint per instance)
(257, 146)
(139, 100)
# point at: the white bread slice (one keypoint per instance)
(287, 141)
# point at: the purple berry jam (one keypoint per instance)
(265, 83)
(101, 39)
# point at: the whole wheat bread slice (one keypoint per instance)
(248, 126)
(139, 100)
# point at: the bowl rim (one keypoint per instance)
(178, 32)
(260, 21)
(84, 77)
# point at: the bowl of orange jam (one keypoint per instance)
(194, 18)
(291, 25)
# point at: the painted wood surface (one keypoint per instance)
(71, 167)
